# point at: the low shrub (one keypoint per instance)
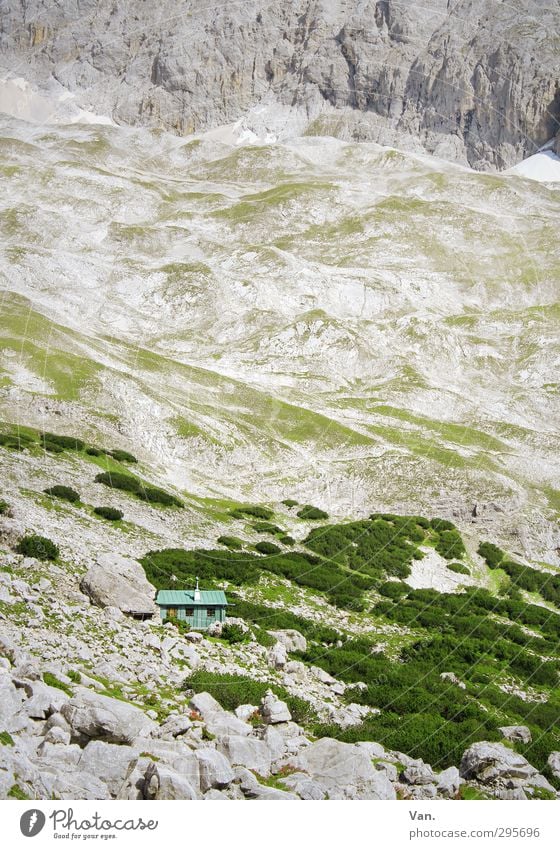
(123, 456)
(52, 447)
(450, 545)
(14, 441)
(53, 681)
(155, 495)
(66, 493)
(393, 589)
(287, 540)
(289, 502)
(459, 568)
(118, 480)
(312, 513)
(70, 443)
(127, 483)
(94, 452)
(255, 510)
(266, 528)
(233, 543)
(6, 739)
(110, 513)
(234, 633)
(34, 545)
(4, 507)
(267, 548)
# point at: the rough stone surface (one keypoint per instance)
(215, 770)
(515, 733)
(96, 716)
(397, 73)
(344, 771)
(248, 752)
(488, 762)
(121, 582)
(274, 710)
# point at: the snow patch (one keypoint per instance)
(544, 167)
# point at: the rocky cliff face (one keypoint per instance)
(469, 81)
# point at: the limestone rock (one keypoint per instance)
(291, 639)
(343, 771)
(395, 73)
(215, 770)
(246, 751)
(116, 581)
(487, 762)
(96, 716)
(161, 782)
(518, 733)
(277, 656)
(274, 710)
(205, 705)
(448, 782)
(554, 763)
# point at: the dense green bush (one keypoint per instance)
(127, 483)
(522, 577)
(234, 633)
(119, 480)
(491, 553)
(377, 547)
(34, 545)
(212, 567)
(15, 441)
(4, 507)
(280, 619)
(94, 452)
(231, 542)
(450, 545)
(287, 540)
(255, 510)
(393, 589)
(267, 548)
(312, 513)
(289, 502)
(52, 447)
(123, 456)
(66, 493)
(442, 525)
(70, 443)
(266, 528)
(155, 495)
(234, 690)
(459, 568)
(110, 513)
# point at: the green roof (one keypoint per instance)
(211, 598)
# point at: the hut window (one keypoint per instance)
(210, 612)
(171, 612)
(189, 611)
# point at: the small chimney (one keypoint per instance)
(196, 592)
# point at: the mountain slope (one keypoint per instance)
(470, 81)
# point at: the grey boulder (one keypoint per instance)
(343, 771)
(116, 581)
(96, 716)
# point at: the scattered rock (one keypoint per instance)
(516, 733)
(273, 710)
(291, 639)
